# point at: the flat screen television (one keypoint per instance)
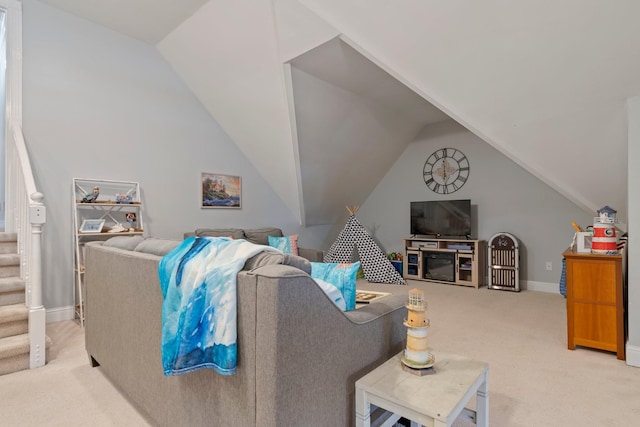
(442, 218)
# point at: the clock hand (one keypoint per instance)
(445, 166)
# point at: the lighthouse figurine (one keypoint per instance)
(416, 354)
(605, 238)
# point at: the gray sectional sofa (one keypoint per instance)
(259, 236)
(298, 355)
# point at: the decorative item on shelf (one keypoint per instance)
(416, 357)
(605, 238)
(118, 228)
(124, 198)
(93, 197)
(92, 226)
(396, 260)
(131, 219)
(394, 256)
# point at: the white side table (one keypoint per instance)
(436, 399)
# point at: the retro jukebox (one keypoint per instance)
(504, 260)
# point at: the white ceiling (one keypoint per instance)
(146, 20)
(531, 84)
(337, 63)
(353, 120)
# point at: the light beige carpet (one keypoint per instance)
(66, 391)
(533, 381)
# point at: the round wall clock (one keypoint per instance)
(446, 170)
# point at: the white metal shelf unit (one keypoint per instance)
(100, 215)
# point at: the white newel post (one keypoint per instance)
(37, 313)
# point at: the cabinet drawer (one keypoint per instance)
(593, 281)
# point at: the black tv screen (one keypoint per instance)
(446, 218)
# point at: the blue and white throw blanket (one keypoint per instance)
(198, 283)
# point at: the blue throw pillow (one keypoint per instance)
(286, 244)
(342, 276)
(333, 293)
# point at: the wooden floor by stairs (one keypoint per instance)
(14, 315)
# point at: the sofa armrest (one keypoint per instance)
(310, 351)
(312, 255)
(379, 308)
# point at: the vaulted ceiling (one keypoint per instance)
(353, 121)
(339, 88)
(146, 20)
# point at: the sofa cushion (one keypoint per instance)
(267, 258)
(159, 247)
(260, 236)
(287, 244)
(342, 276)
(298, 262)
(234, 233)
(128, 243)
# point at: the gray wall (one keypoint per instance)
(504, 198)
(100, 105)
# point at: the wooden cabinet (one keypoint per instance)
(596, 307)
(459, 262)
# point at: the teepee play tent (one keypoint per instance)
(375, 265)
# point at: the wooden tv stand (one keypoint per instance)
(452, 261)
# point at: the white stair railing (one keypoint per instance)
(26, 215)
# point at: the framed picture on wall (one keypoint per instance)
(221, 191)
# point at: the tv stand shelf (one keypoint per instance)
(452, 261)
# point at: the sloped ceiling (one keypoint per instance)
(353, 120)
(146, 20)
(544, 82)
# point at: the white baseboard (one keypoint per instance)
(633, 355)
(60, 314)
(529, 285)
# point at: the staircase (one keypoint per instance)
(14, 314)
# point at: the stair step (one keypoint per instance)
(12, 313)
(14, 345)
(9, 265)
(14, 320)
(11, 290)
(8, 243)
(11, 284)
(10, 271)
(9, 260)
(8, 237)
(14, 353)
(8, 247)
